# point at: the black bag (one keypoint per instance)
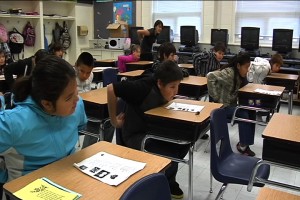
(16, 42)
(65, 38)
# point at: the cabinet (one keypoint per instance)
(102, 54)
(48, 13)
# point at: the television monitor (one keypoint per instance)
(250, 38)
(133, 34)
(282, 40)
(188, 36)
(219, 35)
(166, 35)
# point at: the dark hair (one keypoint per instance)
(219, 46)
(276, 58)
(57, 47)
(241, 59)
(158, 22)
(40, 54)
(134, 47)
(167, 72)
(47, 81)
(2, 51)
(85, 58)
(166, 49)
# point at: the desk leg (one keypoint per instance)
(290, 103)
(190, 192)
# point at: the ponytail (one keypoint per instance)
(22, 88)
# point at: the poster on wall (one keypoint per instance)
(122, 11)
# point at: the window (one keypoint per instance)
(178, 13)
(268, 15)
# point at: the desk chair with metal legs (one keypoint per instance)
(226, 166)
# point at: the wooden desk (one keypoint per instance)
(193, 86)
(181, 125)
(105, 63)
(95, 103)
(272, 194)
(131, 74)
(282, 140)
(267, 101)
(139, 65)
(286, 80)
(64, 173)
(186, 65)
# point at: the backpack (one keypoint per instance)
(56, 32)
(3, 33)
(65, 38)
(29, 35)
(16, 41)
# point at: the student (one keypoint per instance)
(148, 37)
(205, 62)
(84, 75)
(43, 127)
(261, 67)
(141, 95)
(2, 61)
(134, 56)
(57, 50)
(223, 88)
(22, 67)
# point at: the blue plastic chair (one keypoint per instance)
(154, 186)
(225, 165)
(109, 76)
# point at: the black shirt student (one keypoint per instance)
(148, 37)
(22, 67)
(141, 95)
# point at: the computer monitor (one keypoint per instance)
(250, 38)
(282, 40)
(188, 36)
(219, 35)
(166, 35)
(133, 34)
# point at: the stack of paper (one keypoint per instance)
(185, 107)
(108, 168)
(44, 189)
(270, 92)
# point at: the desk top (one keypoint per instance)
(132, 73)
(64, 173)
(250, 87)
(292, 77)
(186, 65)
(140, 63)
(194, 80)
(183, 115)
(283, 127)
(107, 60)
(98, 96)
(272, 194)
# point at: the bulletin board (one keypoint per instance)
(104, 15)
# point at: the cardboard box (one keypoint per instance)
(118, 30)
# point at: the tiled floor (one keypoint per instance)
(233, 192)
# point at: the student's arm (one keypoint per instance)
(142, 33)
(122, 60)
(218, 81)
(2, 102)
(116, 120)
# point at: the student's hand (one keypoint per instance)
(1, 94)
(120, 120)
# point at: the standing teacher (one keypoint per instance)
(147, 38)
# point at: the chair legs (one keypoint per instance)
(211, 180)
(221, 192)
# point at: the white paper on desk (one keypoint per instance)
(108, 168)
(270, 92)
(185, 107)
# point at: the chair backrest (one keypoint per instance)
(109, 76)
(220, 143)
(154, 186)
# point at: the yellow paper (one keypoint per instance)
(42, 190)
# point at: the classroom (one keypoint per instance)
(93, 36)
